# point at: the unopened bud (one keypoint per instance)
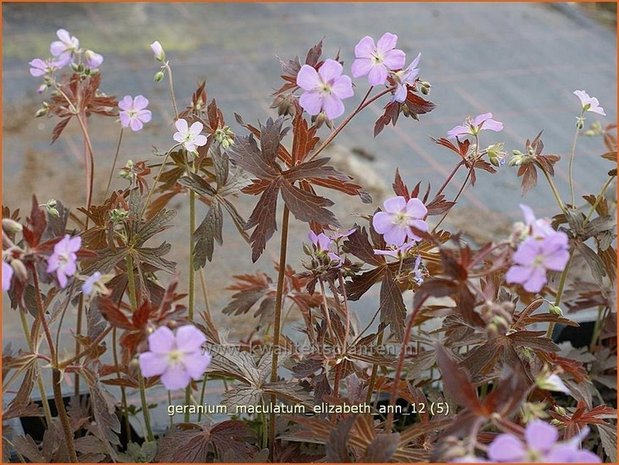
(19, 269)
(50, 207)
(11, 226)
(159, 75)
(225, 137)
(555, 310)
(496, 154)
(425, 87)
(118, 214)
(580, 122)
(158, 51)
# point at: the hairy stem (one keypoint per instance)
(56, 377)
(571, 163)
(109, 179)
(364, 104)
(171, 88)
(559, 295)
(145, 411)
(123, 391)
(555, 191)
(400, 366)
(192, 280)
(277, 319)
(46, 410)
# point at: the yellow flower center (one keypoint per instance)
(175, 357)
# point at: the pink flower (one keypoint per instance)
(472, 126)
(539, 228)
(40, 67)
(93, 60)
(589, 103)
(325, 89)
(405, 77)
(177, 358)
(376, 60)
(65, 47)
(396, 221)
(321, 241)
(133, 112)
(7, 274)
(534, 257)
(63, 260)
(540, 445)
(190, 137)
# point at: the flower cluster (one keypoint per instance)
(325, 249)
(543, 249)
(176, 357)
(325, 88)
(64, 51)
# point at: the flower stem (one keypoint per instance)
(277, 320)
(149, 431)
(571, 163)
(364, 104)
(123, 391)
(56, 377)
(372, 381)
(559, 295)
(109, 179)
(171, 88)
(46, 410)
(400, 365)
(449, 178)
(598, 198)
(554, 190)
(192, 280)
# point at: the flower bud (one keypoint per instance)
(555, 310)
(225, 137)
(11, 226)
(158, 51)
(496, 154)
(425, 87)
(118, 215)
(93, 60)
(284, 104)
(19, 269)
(159, 75)
(42, 111)
(50, 207)
(580, 122)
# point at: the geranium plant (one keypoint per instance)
(459, 363)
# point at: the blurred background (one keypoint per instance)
(520, 61)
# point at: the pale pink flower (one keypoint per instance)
(64, 48)
(325, 89)
(404, 78)
(399, 216)
(177, 358)
(63, 261)
(133, 113)
(190, 137)
(472, 126)
(377, 59)
(7, 275)
(158, 51)
(589, 103)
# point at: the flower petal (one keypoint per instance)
(196, 364)
(189, 338)
(181, 126)
(162, 340)
(342, 87)
(332, 106)
(361, 67)
(126, 103)
(152, 364)
(140, 102)
(307, 78)
(311, 102)
(330, 70)
(395, 204)
(506, 448)
(540, 435)
(518, 274)
(416, 209)
(382, 222)
(387, 42)
(365, 47)
(536, 281)
(394, 59)
(377, 75)
(175, 377)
